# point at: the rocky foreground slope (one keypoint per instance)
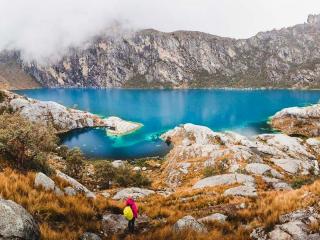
(288, 57)
(211, 185)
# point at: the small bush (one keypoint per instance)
(300, 181)
(105, 172)
(62, 151)
(75, 163)
(126, 177)
(26, 143)
(2, 96)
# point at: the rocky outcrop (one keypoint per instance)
(288, 57)
(214, 217)
(235, 159)
(133, 192)
(44, 181)
(62, 118)
(120, 127)
(78, 187)
(244, 191)
(292, 226)
(90, 236)
(16, 222)
(304, 121)
(225, 179)
(188, 223)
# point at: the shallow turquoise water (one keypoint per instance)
(243, 111)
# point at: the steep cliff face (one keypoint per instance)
(11, 74)
(289, 57)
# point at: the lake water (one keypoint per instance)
(243, 111)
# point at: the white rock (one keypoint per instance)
(245, 191)
(278, 234)
(183, 167)
(289, 165)
(70, 191)
(296, 229)
(136, 169)
(143, 168)
(16, 222)
(133, 192)
(214, 217)
(313, 141)
(258, 168)
(225, 179)
(105, 194)
(121, 127)
(63, 118)
(290, 145)
(118, 163)
(189, 223)
(44, 181)
(76, 185)
(281, 186)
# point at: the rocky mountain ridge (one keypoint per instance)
(285, 58)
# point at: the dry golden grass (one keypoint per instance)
(68, 217)
(60, 217)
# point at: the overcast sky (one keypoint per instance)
(42, 28)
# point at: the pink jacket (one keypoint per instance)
(130, 202)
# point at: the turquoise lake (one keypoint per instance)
(243, 111)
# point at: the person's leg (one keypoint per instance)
(133, 220)
(130, 225)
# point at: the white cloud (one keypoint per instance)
(46, 28)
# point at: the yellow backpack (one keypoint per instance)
(127, 213)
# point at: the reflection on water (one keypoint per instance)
(159, 110)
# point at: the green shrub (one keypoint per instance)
(126, 177)
(75, 163)
(298, 182)
(2, 96)
(105, 172)
(62, 151)
(26, 143)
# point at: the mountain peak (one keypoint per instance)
(314, 19)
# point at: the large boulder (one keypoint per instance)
(133, 192)
(189, 223)
(90, 236)
(290, 146)
(262, 169)
(116, 223)
(293, 166)
(243, 191)
(292, 226)
(44, 181)
(76, 185)
(214, 217)
(225, 179)
(16, 222)
(298, 120)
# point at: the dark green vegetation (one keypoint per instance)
(124, 176)
(25, 144)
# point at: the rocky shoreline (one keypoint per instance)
(61, 118)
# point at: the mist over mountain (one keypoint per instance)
(285, 58)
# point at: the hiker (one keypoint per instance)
(131, 213)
